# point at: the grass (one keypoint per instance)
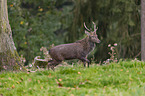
(126, 78)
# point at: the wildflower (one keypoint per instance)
(107, 61)
(30, 65)
(109, 45)
(112, 48)
(115, 44)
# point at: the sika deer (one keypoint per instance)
(77, 50)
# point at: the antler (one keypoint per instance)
(95, 27)
(86, 27)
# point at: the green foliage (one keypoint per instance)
(124, 78)
(118, 22)
(37, 23)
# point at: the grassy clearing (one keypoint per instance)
(126, 78)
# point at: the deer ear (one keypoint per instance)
(86, 32)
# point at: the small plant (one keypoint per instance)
(45, 53)
(23, 59)
(112, 54)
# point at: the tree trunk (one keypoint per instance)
(143, 30)
(9, 58)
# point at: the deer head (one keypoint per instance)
(92, 34)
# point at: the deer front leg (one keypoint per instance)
(88, 62)
(84, 60)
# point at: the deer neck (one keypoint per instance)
(88, 45)
(91, 45)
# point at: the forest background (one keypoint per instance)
(41, 23)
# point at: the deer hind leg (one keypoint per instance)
(84, 60)
(53, 63)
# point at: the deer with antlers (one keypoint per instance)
(77, 50)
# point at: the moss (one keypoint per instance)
(10, 61)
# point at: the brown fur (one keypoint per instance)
(77, 50)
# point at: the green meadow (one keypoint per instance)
(125, 78)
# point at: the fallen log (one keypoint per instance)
(40, 63)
